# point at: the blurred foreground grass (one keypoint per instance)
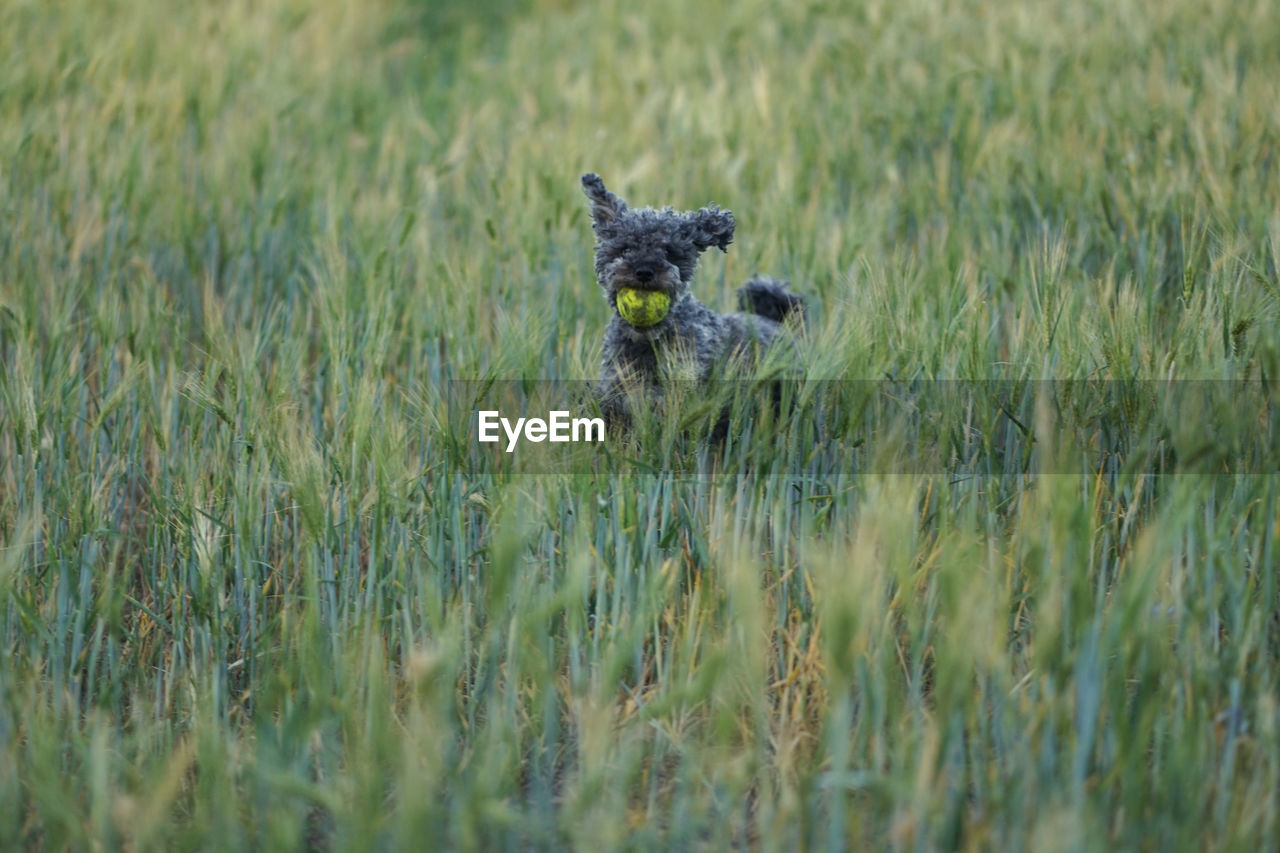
(251, 595)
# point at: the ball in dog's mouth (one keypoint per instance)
(642, 308)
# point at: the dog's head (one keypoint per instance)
(650, 249)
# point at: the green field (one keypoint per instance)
(257, 590)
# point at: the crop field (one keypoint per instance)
(1001, 572)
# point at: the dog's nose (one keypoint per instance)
(644, 274)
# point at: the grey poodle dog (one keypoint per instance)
(647, 250)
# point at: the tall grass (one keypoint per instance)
(257, 589)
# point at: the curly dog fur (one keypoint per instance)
(653, 249)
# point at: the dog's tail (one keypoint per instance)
(770, 298)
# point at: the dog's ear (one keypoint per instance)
(605, 206)
(711, 226)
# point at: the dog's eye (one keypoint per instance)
(673, 258)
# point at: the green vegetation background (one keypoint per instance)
(250, 598)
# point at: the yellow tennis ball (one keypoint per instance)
(642, 307)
